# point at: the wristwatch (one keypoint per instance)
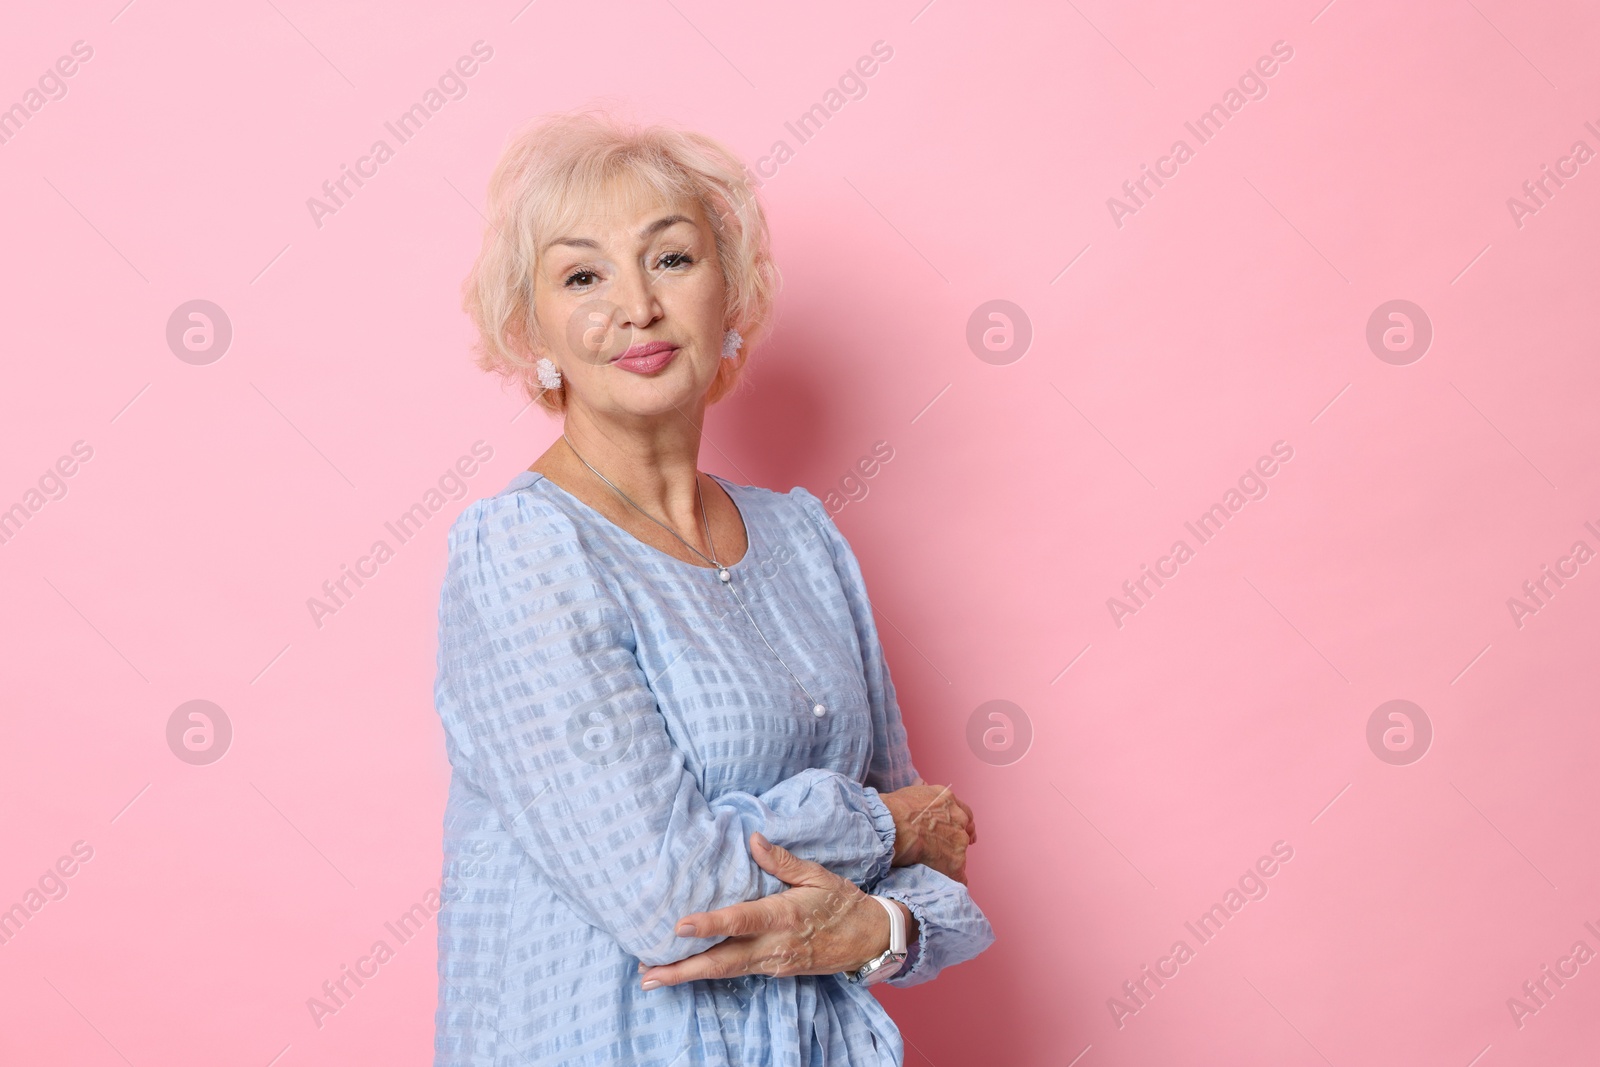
(888, 964)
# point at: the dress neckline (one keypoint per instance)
(728, 487)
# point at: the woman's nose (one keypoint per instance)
(634, 294)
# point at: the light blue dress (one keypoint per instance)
(616, 731)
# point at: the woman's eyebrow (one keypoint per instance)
(649, 231)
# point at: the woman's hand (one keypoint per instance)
(931, 827)
(823, 924)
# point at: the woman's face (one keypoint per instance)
(630, 304)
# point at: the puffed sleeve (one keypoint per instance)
(548, 714)
(951, 927)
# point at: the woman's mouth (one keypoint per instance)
(646, 358)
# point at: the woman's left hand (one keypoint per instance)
(823, 924)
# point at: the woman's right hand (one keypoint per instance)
(931, 827)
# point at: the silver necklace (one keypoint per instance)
(723, 574)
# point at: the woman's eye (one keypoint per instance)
(579, 274)
(675, 259)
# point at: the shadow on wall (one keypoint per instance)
(778, 421)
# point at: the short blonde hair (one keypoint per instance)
(547, 172)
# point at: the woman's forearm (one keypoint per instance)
(821, 924)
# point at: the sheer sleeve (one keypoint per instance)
(549, 715)
(951, 927)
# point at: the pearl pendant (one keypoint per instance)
(723, 575)
(818, 710)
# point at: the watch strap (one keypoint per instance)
(886, 965)
(897, 926)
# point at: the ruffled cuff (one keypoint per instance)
(951, 928)
(883, 822)
(914, 951)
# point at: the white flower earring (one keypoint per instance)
(549, 373)
(731, 343)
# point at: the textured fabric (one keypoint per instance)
(616, 730)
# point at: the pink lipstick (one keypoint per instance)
(646, 358)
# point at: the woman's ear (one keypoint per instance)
(532, 338)
(535, 345)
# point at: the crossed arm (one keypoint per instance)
(536, 661)
(823, 923)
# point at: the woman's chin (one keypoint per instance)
(643, 395)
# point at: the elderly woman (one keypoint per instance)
(683, 824)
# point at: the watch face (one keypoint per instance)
(882, 969)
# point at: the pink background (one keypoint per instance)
(1228, 313)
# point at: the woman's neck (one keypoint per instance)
(655, 463)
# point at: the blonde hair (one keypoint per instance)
(538, 189)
